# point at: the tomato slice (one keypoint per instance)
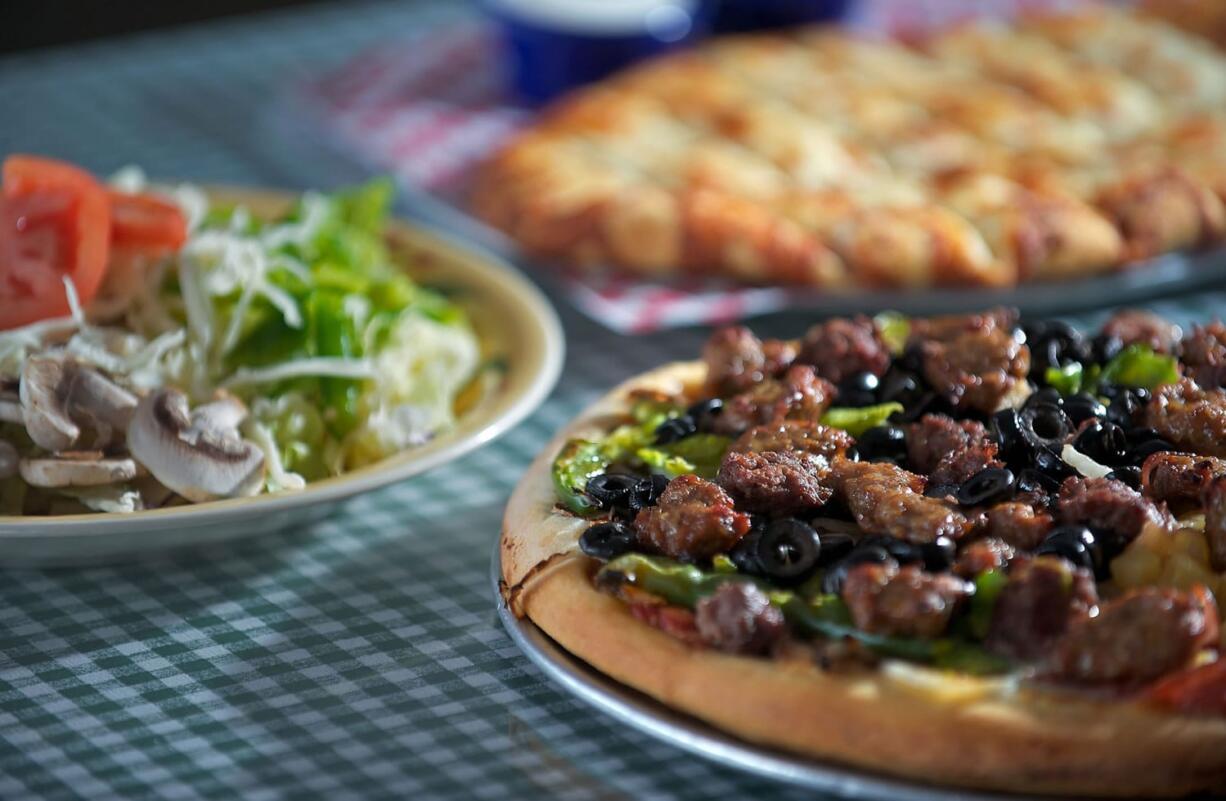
(1200, 690)
(146, 222)
(55, 221)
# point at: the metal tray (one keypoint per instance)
(690, 734)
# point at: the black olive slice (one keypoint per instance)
(1105, 347)
(832, 579)
(1104, 442)
(648, 491)
(835, 545)
(1130, 475)
(900, 551)
(607, 540)
(1045, 395)
(883, 443)
(900, 386)
(787, 551)
(744, 553)
(1078, 545)
(1138, 453)
(704, 411)
(1044, 425)
(611, 490)
(1006, 429)
(1051, 464)
(939, 554)
(1082, 407)
(859, 389)
(990, 485)
(1034, 480)
(675, 429)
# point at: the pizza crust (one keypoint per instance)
(901, 720)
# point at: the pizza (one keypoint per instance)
(1207, 19)
(963, 550)
(984, 155)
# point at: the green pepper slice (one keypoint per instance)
(576, 463)
(857, 420)
(1138, 366)
(823, 616)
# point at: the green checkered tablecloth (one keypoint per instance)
(360, 658)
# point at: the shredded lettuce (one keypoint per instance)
(341, 357)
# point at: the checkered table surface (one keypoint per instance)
(360, 658)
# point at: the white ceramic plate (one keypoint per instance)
(515, 324)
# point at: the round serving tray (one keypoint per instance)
(690, 734)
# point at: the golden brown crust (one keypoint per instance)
(905, 721)
(822, 159)
(1164, 210)
(969, 733)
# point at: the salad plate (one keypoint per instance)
(520, 339)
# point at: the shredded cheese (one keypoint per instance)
(318, 366)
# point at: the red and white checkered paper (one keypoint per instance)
(430, 108)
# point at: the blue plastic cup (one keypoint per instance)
(752, 15)
(553, 46)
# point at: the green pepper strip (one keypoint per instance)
(825, 615)
(1066, 379)
(857, 420)
(1136, 366)
(988, 586)
(895, 329)
(578, 461)
(1140, 367)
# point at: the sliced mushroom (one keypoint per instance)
(76, 469)
(200, 456)
(46, 417)
(114, 499)
(224, 414)
(91, 397)
(8, 459)
(58, 396)
(10, 410)
(10, 400)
